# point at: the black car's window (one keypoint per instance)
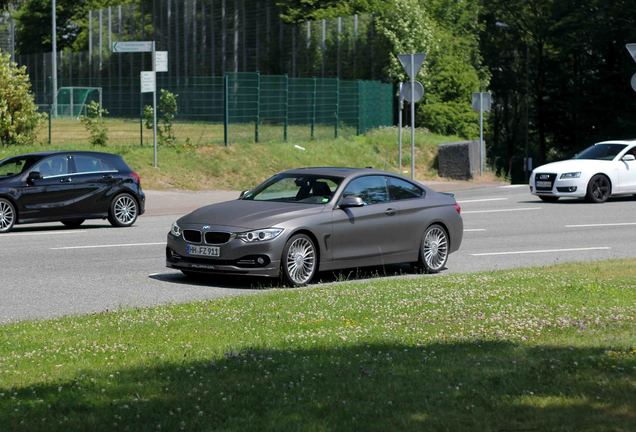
(401, 189)
(601, 152)
(14, 166)
(53, 166)
(308, 189)
(372, 189)
(91, 164)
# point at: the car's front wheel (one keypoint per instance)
(434, 249)
(299, 261)
(73, 223)
(599, 189)
(123, 210)
(7, 215)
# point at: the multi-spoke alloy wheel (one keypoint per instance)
(434, 250)
(299, 260)
(7, 215)
(123, 211)
(599, 189)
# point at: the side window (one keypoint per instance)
(400, 189)
(372, 189)
(89, 164)
(53, 166)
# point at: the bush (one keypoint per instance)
(167, 113)
(449, 118)
(19, 118)
(94, 123)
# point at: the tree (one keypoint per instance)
(18, 113)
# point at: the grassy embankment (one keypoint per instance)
(202, 162)
(524, 350)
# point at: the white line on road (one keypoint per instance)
(481, 200)
(28, 234)
(108, 246)
(475, 230)
(502, 210)
(601, 225)
(513, 186)
(543, 251)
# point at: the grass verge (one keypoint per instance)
(532, 350)
(201, 163)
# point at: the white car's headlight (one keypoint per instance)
(259, 235)
(570, 175)
(175, 230)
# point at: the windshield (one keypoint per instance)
(306, 189)
(15, 166)
(601, 152)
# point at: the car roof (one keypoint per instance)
(342, 172)
(44, 154)
(625, 142)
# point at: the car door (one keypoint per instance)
(627, 173)
(365, 235)
(408, 199)
(92, 177)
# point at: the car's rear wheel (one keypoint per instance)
(8, 215)
(548, 198)
(599, 189)
(434, 249)
(73, 223)
(123, 210)
(299, 260)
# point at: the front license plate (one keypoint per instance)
(208, 251)
(544, 184)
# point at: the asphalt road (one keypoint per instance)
(49, 271)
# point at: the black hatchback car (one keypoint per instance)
(70, 187)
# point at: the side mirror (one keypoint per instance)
(351, 201)
(628, 158)
(242, 195)
(33, 176)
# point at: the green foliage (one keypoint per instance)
(449, 118)
(165, 119)
(18, 113)
(95, 124)
(295, 11)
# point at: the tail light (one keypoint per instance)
(136, 177)
(458, 208)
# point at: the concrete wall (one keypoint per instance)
(459, 160)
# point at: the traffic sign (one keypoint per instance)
(634, 82)
(161, 61)
(485, 103)
(148, 82)
(132, 47)
(412, 63)
(631, 47)
(418, 91)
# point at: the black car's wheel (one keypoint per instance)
(548, 198)
(123, 210)
(434, 249)
(73, 223)
(8, 215)
(599, 189)
(299, 261)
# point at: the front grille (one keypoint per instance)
(192, 236)
(217, 237)
(544, 177)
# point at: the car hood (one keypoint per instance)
(250, 214)
(571, 165)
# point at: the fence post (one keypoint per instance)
(258, 106)
(337, 107)
(313, 109)
(226, 106)
(141, 119)
(286, 124)
(359, 114)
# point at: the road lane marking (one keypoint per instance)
(482, 200)
(475, 230)
(29, 234)
(601, 225)
(108, 246)
(502, 210)
(513, 186)
(543, 251)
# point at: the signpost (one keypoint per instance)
(631, 47)
(482, 103)
(148, 79)
(412, 64)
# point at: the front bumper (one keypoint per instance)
(576, 188)
(236, 257)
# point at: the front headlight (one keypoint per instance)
(259, 235)
(175, 230)
(571, 175)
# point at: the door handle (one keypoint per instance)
(390, 212)
(107, 177)
(66, 180)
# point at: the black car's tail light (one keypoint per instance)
(136, 177)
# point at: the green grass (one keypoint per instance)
(548, 349)
(202, 162)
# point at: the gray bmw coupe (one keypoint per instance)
(304, 220)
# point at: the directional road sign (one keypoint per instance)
(418, 91)
(631, 47)
(132, 47)
(412, 63)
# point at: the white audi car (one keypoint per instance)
(605, 169)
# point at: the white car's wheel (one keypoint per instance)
(599, 189)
